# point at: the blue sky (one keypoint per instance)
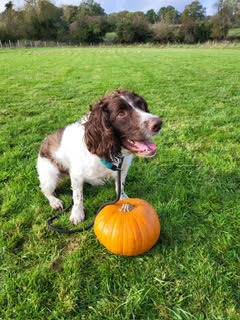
(131, 5)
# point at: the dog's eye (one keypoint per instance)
(122, 113)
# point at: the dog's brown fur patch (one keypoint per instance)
(49, 146)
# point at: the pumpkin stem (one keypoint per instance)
(127, 207)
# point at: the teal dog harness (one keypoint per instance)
(109, 165)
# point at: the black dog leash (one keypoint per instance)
(70, 231)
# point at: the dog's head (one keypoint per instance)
(121, 121)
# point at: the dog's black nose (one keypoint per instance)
(155, 124)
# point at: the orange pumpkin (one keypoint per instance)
(128, 227)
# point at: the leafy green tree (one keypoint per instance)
(91, 8)
(194, 27)
(219, 28)
(236, 13)
(151, 16)
(193, 12)
(88, 29)
(132, 27)
(70, 13)
(229, 9)
(116, 18)
(11, 23)
(161, 13)
(112, 21)
(164, 32)
(8, 6)
(193, 32)
(88, 24)
(228, 13)
(168, 15)
(42, 20)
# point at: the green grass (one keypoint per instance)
(193, 182)
(234, 33)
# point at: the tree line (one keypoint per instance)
(88, 23)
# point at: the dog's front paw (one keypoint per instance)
(56, 203)
(77, 215)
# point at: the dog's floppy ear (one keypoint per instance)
(99, 134)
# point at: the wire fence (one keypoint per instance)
(36, 44)
(41, 44)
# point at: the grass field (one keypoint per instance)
(234, 33)
(193, 182)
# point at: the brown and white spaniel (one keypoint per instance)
(119, 125)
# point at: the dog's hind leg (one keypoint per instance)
(49, 176)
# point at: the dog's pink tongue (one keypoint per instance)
(145, 145)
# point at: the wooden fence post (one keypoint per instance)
(1, 44)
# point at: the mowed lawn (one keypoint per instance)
(193, 182)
